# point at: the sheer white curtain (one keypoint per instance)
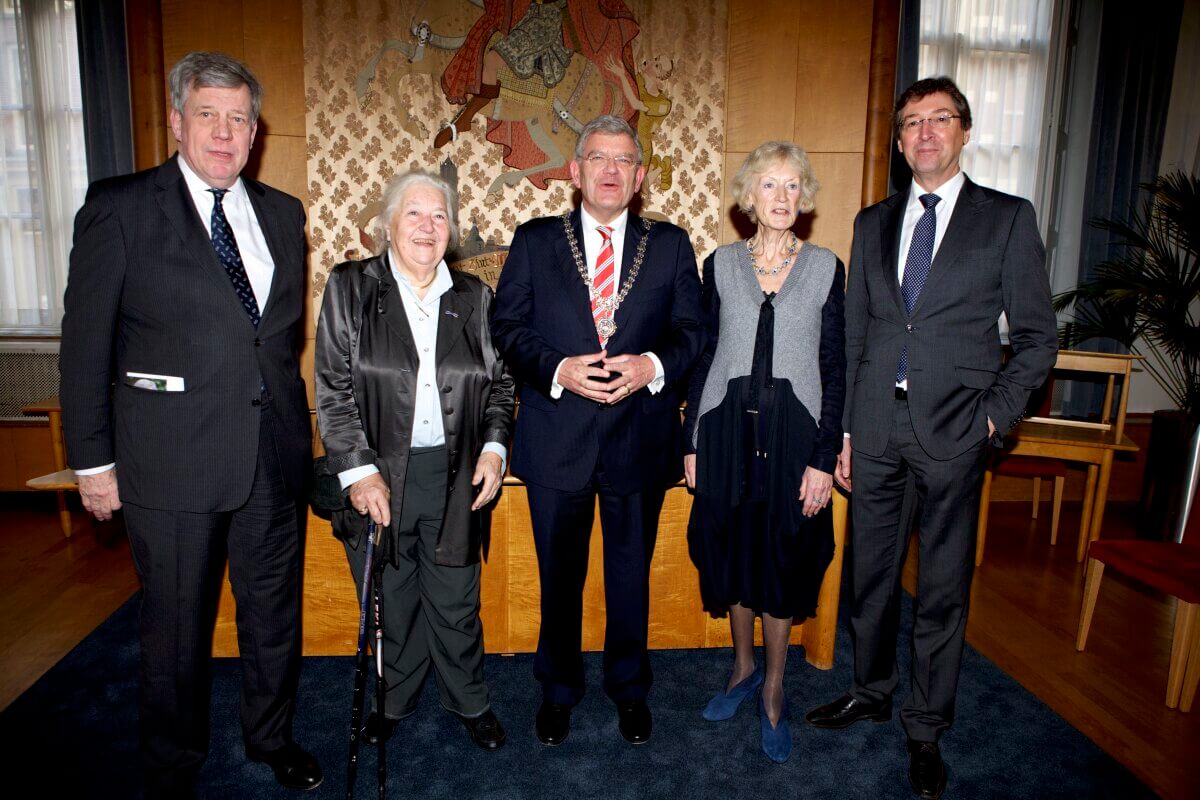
(43, 164)
(997, 53)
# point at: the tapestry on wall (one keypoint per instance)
(491, 94)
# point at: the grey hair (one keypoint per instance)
(759, 161)
(198, 70)
(400, 184)
(606, 123)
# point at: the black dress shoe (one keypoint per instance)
(553, 723)
(926, 771)
(846, 710)
(294, 768)
(486, 731)
(634, 721)
(378, 726)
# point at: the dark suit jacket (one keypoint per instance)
(366, 372)
(990, 260)
(146, 293)
(542, 315)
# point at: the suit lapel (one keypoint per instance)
(889, 230)
(634, 231)
(962, 229)
(176, 204)
(575, 286)
(455, 310)
(390, 305)
(281, 279)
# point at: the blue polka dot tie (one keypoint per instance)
(231, 258)
(916, 268)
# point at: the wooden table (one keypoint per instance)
(62, 480)
(1087, 445)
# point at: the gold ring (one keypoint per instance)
(626, 388)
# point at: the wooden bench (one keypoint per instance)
(62, 480)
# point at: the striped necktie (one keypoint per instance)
(604, 280)
(916, 268)
(231, 258)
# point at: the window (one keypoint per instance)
(997, 53)
(43, 164)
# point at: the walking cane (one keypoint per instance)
(380, 684)
(360, 669)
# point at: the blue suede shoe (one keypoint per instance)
(776, 742)
(723, 706)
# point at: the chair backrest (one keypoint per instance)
(1116, 397)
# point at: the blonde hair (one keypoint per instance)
(764, 156)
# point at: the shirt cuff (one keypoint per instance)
(655, 386)
(500, 450)
(556, 389)
(353, 476)
(94, 470)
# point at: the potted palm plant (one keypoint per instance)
(1146, 299)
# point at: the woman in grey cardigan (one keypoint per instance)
(763, 423)
(415, 409)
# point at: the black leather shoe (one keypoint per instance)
(378, 726)
(926, 771)
(486, 731)
(634, 721)
(553, 723)
(294, 768)
(846, 711)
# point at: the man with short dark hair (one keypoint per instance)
(183, 404)
(598, 314)
(931, 270)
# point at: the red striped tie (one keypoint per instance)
(604, 279)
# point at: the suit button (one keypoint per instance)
(445, 390)
(256, 402)
(258, 342)
(447, 411)
(908, 328)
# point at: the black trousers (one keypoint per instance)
(180, 558)
(562, 527)
(430, 611)
(888, 491)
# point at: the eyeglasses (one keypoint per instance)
(940, 122)
(599, 160)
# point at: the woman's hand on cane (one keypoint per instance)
(371, 495)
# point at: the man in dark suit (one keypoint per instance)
(598, 315)
(931, 270)
(183, 404)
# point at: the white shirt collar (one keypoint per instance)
(198, 187)
(948, 192)
(441, 284)
(589, 223)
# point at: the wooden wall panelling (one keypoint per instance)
(25, 451)
(833, 57)
(837, 201)
(881, 92)
(148, 103)
(189, 26)
(762, 72)
(273, 46)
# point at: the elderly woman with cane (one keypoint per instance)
(415, 409)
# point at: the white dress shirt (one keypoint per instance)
(593, 243)
(252, 245)
(948, 192)
(422, 315)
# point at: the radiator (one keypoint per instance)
(28, 373)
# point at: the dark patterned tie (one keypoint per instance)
(231, 258)
(916, 268)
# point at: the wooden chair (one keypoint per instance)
(1170, 568)
(1037, 468)
(1043, 444)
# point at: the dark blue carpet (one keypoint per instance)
(74, 735)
